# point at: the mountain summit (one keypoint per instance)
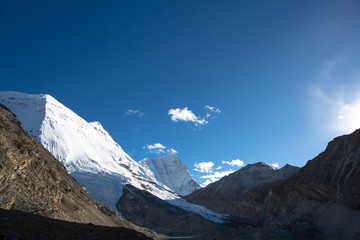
(171, 171)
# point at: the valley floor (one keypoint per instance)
(26, 226)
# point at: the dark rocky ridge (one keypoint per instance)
(322, 200)
(32, 180)
(227, 194)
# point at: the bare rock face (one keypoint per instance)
(32, 180)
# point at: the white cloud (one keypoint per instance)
(218, 168)
(212, 109)
(335, 101)
(158, 148)
(186, 115)
(215, 176)
(233, 163)
(275, 165)
(136, 113)
(172, 151)
(205, 167)
(155, 148)
(207, 182)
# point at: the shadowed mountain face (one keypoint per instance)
(227, 194)
(32, 180)
(325, 193)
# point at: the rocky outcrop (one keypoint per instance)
(32, 180)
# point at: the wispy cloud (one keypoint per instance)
(233, 163)
(335, 100)
(215, 176)
(204, 167)
(212, 109)
(136, 113)
(158, 148)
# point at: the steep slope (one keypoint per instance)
(87, 151)
(170, 171)
(226, 194)
(33, 180)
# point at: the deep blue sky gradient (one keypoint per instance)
(254, 60)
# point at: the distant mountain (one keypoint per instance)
(170, 171)
(225, 195)
(87, 151)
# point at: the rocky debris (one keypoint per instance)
(32, 180)
(26, 226)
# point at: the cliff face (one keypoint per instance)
(32, 180)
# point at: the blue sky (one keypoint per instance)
(279, 78)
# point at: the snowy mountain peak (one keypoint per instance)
(171, 171)
(88, 152)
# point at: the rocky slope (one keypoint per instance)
(325, 193)
(170, 171)
(226, 195)
(32, 180)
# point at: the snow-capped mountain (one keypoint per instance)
(170, 171)
(88, 152)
